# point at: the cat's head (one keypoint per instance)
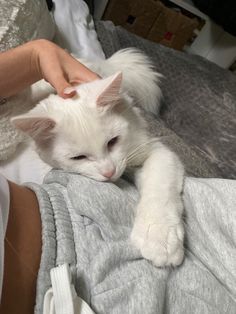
(88, 134)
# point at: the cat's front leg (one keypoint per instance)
(158, 228)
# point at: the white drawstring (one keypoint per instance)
(62, 297)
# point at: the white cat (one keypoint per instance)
(100, 134)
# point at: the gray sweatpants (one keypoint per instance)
(87, 224)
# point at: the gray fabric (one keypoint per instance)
(194, 161)
(199, 102)
(87, 224)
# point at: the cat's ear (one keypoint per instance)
(109, 94)
(39, 128)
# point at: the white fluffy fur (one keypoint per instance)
(104, 128)
(139, 78)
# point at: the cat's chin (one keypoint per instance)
(117, 175)
(104, 179)
(100, 178)
(108, 179)
(114, 179)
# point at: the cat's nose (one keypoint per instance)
(109, 174)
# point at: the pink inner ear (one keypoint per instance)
(35, 127)
(110, 94)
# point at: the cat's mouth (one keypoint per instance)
(113, 178)
(101, 178)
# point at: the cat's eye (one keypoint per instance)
(80, 157)
(112, 142)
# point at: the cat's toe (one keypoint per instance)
(156, 253)
(175, 246)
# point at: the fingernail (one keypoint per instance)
(69, 90)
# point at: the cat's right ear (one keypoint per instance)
(39, 128)
(109, 94)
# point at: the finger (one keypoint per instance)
(79, 73)
(69, 92)
(62, 86)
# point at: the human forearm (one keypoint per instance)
(41, 59)
(18, 69)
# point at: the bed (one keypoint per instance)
(197, 119)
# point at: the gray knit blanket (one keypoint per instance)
(87, 225)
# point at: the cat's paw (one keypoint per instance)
(159, 242)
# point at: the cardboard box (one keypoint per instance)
(152, 20)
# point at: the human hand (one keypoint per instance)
(59, 68)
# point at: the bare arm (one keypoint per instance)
(35, 60)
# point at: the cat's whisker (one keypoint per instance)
(140, 149)
(136, 154)
(150, 141)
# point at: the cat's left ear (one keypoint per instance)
(39, 128)
(110, 92)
